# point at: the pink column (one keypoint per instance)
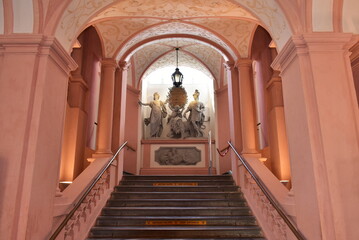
(276, 131)
(234, 115)
(322, 125)
(34, 73)
(121, 92)
(105, 117)
(247, 106)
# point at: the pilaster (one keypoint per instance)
(120, 110)
(234, 115)
(33, 83)
(322, 126)
(247, 106)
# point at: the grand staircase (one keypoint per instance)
(176, 207)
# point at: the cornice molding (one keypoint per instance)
(38, 44)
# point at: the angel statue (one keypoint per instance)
(158, 112)
(196, 117)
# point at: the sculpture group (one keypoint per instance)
(193, 125)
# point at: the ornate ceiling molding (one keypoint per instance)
(273, 17)
(173, 28)
(238, 32)
(185, 60)
(175, 9)
(115, 32)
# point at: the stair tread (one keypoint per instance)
(100, 238)
(175, 217)
(139, 203)
(173, 208)
(177, 199)
(182, 228)
(229, 192)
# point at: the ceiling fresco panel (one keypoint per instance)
(175, 9)
(175, 28)
(270, 13)
(237, 32)
(75, 16)
(115, 32)
(184, 60)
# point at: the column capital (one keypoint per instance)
(124, 65)
(229, 65)
(244, 62)
(310, 43)
(109, 62)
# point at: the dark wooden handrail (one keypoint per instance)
(269, 196)
(79, 202)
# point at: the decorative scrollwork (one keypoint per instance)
(271, 217)
(86, 208)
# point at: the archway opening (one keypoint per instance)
(160, 81)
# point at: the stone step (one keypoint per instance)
(177, 177)
(175, 211)
(177, 195)
(175, 220)
(140, 182)
(124, 188)
(178, 231)
(176, 202)
(172, 238)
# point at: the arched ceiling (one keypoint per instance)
(207, 31)
(191, 54)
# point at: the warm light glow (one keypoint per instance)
(284, 181)
(66, 182)
(77, 44)
(272, 44)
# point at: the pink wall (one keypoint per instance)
(261, 53)
(131, 131)
(222, 116)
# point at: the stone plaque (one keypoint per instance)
(178, 156)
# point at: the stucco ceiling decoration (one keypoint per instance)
(75, 16)
(175, 9)
(147, 55)
(200, 57)
(236, 31)
(115, 31)
(270, 13)
(209, 56)
(79, 14)
(175, 28)
(185, 60)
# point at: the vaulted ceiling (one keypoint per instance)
(146, 32)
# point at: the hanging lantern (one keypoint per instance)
(177, 76)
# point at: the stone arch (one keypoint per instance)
(79, 12)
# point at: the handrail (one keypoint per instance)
(79, 202)
(269, 196)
